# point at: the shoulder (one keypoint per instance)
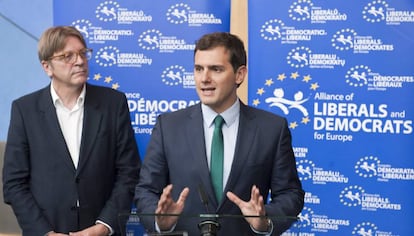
(33, 97)
(184, 112)
(180, 117)
(104, 95)
(101, 90)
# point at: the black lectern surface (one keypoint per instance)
(207, 224)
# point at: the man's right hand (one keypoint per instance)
(166, 205)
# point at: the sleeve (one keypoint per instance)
(153, 178)
(127, 167)
(287, 196)
(16, 176)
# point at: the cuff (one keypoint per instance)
(269, 228)
(111, 231)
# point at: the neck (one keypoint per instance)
(68, 95)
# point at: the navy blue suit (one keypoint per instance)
(40, 180)
(263, 157)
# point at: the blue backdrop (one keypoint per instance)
(145, 49)
(342, 73)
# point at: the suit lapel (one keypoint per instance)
(195, 136)
(245, 137)
(91, 122)
(52, 126)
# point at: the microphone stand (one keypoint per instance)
(210, 226)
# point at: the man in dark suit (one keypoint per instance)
(175, 181)
(71, 160)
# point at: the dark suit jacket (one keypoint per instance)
(263, 157)
(40, 180)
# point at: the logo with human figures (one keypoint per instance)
(178, 13)
(375, 11)
(107, 56)
(367, 166)
(352, 195)
(344, 39)
(357, 76)
(149, 40)
(176, 75)
(107, 11)
(83, 26)
(299, 57)
(300, 10)
(365, 229)
(288, 95)
(272, 29)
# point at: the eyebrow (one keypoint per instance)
(210, 66)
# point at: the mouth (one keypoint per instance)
(207, 91)
(80, 72)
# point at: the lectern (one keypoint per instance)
(207, 224)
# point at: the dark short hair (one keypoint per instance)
(54, 40)
(227, 40)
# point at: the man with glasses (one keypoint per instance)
(71, 160)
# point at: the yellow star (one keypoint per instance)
(293, 125)
(306, 78)
(115, 86)
(314, 86)
(97, 76)
(269, 82)
(281, 77)
(305, 120)
(108, 79)
(260, 91)
(294, 75)
(256, 102)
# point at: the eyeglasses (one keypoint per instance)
(71, 57)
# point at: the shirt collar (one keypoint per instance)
(56, 99)
(228, 115)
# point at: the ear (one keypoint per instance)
(241, 74)
(47, 67)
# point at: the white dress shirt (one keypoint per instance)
(230, 129)
(71, 122)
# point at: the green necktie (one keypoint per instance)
(217, 156)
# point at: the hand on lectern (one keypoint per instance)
(254, 207)
(167, 205)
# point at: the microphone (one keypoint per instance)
(208, 227)
(203, 197)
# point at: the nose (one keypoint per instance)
(205, 76)
(79, 59)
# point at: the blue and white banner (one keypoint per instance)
(343, 75)
(145, 49)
